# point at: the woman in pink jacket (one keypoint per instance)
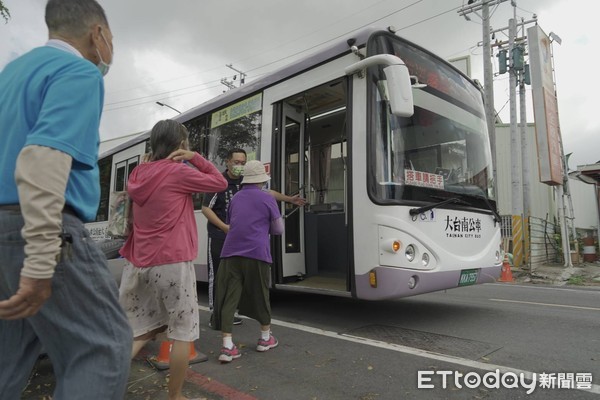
(158, 287)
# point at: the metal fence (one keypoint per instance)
(506, 227)
(543, 246)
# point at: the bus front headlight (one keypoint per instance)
(410, 252)
(425, 259)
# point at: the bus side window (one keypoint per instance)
(327, 177)
(105, 168)
(120, 176)
(123, 170)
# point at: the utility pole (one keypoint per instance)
(242, 74)
(230, 84)
(513, 62)
(488, 75)
(515, 145)
(227, 83)
(523, 78)
(564, 229)
(571, 211)
(520, 148)
(515, 152)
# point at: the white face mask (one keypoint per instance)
(102, 66)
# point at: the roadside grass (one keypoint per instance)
(577, 280)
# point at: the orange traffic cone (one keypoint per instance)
(506, 275)
(164, 353)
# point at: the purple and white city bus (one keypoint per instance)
(389, 145)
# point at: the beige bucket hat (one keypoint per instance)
(254, 172)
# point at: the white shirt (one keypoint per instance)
(62, 45)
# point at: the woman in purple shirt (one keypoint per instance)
(244, 272)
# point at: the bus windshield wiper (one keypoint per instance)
(478, 193)
(417, 211)
(487, 203)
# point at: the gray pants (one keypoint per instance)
(82, 327)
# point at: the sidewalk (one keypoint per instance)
(245, 379)
(145, 382)
(583, 274)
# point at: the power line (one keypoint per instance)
(167, 80)
(340, 36)
(159, 94)
(153, 97)
(429, 18)
(167, 97)
(259, 54)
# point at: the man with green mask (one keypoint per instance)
(214, 209)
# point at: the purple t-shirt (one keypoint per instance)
(250, 213)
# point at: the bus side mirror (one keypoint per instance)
(399, 88)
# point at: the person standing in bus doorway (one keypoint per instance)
(214, 209)
(245, 270)
(56, 291)
(158, 286)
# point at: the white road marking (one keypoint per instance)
(592, 289)
(411, 350)
(548, 304)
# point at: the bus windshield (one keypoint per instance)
(443, 147)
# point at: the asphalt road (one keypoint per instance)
(526, 327)
(337, 348)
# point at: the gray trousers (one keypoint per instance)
(81, 327)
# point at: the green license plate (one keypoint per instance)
(467, 277)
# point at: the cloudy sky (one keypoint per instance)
(176, 51)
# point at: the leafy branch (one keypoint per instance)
(4, 12)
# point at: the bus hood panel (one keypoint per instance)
(449, 237)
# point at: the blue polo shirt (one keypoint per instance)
(52, 97)
(250, 213)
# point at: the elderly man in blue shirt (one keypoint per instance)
(55, 287)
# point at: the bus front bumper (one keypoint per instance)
(393, 282)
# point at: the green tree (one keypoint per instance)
(240, 133)
(4, 12)
(198, 134)
(215, 143)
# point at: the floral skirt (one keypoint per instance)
(161, 295)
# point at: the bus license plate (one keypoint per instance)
(467, 277)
